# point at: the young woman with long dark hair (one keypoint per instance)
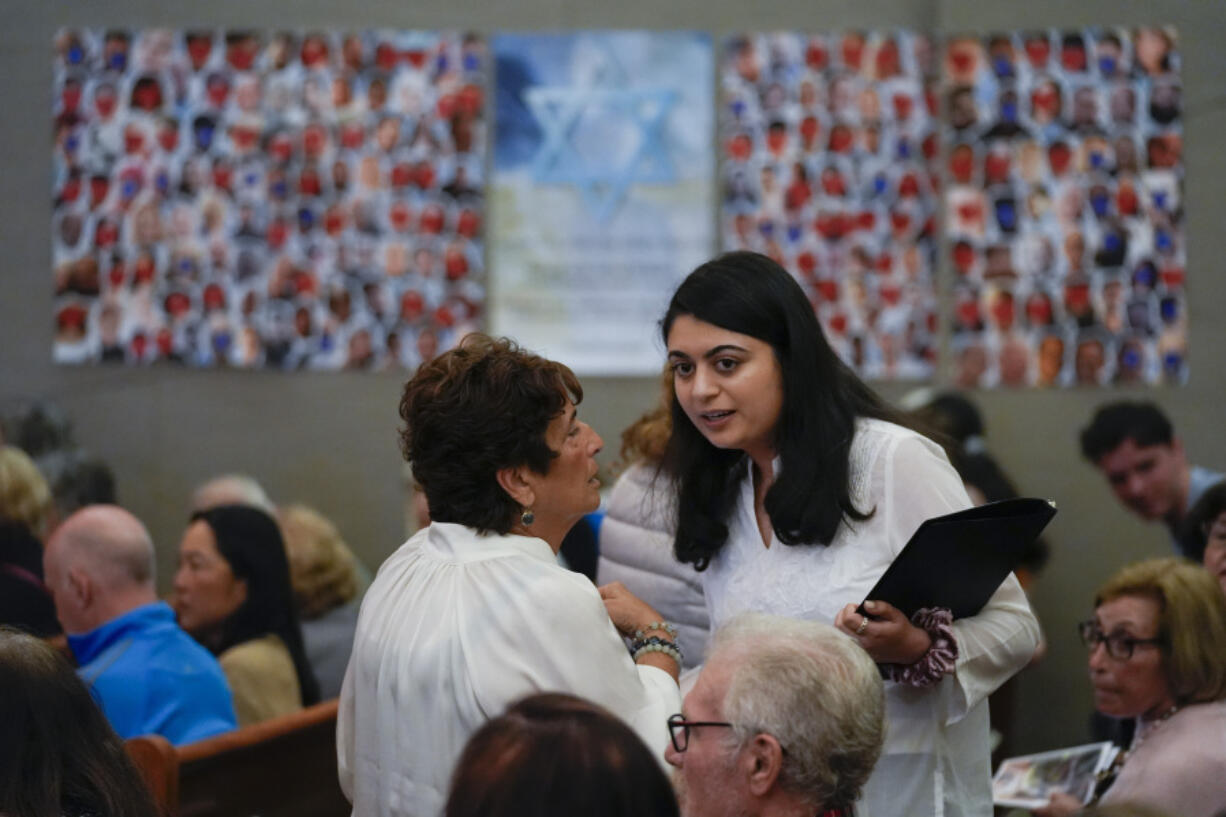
(796, 489)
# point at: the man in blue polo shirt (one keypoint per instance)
(148, 675)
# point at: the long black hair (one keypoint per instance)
(59, 755)
(250, 541)
(750, 294)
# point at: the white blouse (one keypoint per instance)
(456, 626)
(936, 756)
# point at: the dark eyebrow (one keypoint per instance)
(713, 352)
(725, 347)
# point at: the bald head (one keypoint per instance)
(99, 565)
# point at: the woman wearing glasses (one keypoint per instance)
(1158, 654)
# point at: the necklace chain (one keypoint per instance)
(1107, 776)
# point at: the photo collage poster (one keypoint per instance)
(1064, 211)
(602, 190)
(829, 165)
(316, 199)
(288, 200)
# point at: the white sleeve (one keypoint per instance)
(344, 735)
(565, 642)
(997, 642)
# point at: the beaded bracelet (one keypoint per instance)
(941, 657)
(656, 644)
(662, 626)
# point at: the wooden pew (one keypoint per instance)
(285, 767)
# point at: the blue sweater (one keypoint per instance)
(150, 677)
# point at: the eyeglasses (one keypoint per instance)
(679, 730)
(1119, 647)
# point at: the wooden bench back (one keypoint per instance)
(284, 767)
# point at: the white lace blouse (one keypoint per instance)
(936, 756)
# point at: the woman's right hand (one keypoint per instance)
(628, 611)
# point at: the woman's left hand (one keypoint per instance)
(886, 635)
(628, 611)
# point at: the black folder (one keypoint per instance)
(958, 560)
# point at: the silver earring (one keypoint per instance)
(527, 517)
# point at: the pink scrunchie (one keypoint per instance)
(941, 657)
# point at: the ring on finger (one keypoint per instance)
(863, 625)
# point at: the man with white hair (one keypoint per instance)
(786, 718)
(231, 489)
(147, 674)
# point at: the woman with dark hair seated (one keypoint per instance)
(59, 756)
(1157, 645)
(232, 594)
(555, 754)
(474, 611)
(1204, 532)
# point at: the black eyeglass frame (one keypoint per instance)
(1119, 647)
(679, 730)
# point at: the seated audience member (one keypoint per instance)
(325, 581)
(148, 675)
(1134, 445)
(25, 602)
(555, 754)
(1157, 646)
(37, 428)
(474, 612)
(59, 757)
(77, 480)
(636, 537)
(1205, 532)
(231, 489)
(960, 422)
(232, 593)
(787, 717)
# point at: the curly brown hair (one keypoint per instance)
(472, 411)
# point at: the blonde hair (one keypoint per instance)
(322, 568)
(1191, 622)
(24, 495)
(647, 437)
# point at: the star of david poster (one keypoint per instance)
(829, 159)
(601, 190)
(259, 199)
(1065, 208)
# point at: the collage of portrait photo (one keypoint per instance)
(830, 151)
(1064, 207)
(286, 201)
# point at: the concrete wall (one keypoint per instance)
(330, 439)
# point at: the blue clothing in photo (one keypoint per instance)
(150, 677)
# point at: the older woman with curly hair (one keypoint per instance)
(1157, 646)
(474, 612)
